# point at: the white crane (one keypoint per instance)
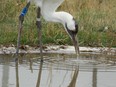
(47, 8)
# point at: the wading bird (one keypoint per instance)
(47, 8)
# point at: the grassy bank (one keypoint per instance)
(96, 19)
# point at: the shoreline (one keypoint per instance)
(58, 49)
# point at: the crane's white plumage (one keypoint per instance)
(48, 11)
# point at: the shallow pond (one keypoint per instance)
(58, 70)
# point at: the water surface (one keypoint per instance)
(58, 70)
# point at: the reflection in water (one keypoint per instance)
(74, 79)
(31, 63)
(58, 71)
(94, 84)
(5, 76)
(39, 75)
(17, 73)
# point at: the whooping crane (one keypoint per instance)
(47, 8)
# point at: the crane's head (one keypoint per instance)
(72, 29)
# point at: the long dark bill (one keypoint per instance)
(73, 34)
(75, 43)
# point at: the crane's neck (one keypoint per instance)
(61, 17)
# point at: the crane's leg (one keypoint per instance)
(21, 19)
(38, 23)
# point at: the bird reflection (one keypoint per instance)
(94, 78)
(17, 74)
(39, 74)
(31, 63)
(74, 79)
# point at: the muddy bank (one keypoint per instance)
(56, 49)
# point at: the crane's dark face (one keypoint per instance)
(72, 33)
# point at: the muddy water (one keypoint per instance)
(58, 70)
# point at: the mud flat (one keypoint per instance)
(57, 49)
